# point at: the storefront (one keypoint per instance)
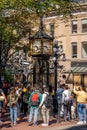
(78, 74)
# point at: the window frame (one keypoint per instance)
(51, 29)
(82, 55)
(84, 30)
(72, 45)
(73, 26)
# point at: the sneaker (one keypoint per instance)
(34, 125)
(84, 122)
(11, 123)
(47, 124)
(80, 123)
(15, 123)
(44, 124)
(30, 124)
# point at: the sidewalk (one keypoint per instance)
(23, 125)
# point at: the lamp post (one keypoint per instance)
(58, 52)
(2, 66)
(41, 48)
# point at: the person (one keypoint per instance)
(59, 94)
(12, 103)
(45, 106)
(65, 101)
(18, 92)
(5, 88)
(2, 100)
(33, 102)
(73, 106)
(26, 97)
(81, 103)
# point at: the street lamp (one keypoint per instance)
(58, 52)
(41, 48)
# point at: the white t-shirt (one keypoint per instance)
(44, 95)
(66, 95)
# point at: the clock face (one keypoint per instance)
(41, 48)
(47, 47)
(36, 47)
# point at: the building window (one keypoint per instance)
(84, 49)
(51, 29)
(84, 25)
(74, 50)
(74, 26)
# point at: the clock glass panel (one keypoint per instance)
(47, 47)
(36, 47)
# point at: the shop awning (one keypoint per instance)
(78, 69)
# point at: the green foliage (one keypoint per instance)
(8, 76)
(46, 6)
(37, 6)
(16, 17)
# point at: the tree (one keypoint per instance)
(17, 17)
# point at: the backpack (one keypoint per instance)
(48, 101)
(35, 99)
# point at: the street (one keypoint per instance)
(23, 125)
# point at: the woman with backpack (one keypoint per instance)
(66, 103)
(45, 106)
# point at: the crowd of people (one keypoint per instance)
(31, 101)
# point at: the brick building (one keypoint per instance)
(71, 34)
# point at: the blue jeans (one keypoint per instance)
(33, 111)
(67, 112)
(1, 104)
(13, 114)
(81, 111)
